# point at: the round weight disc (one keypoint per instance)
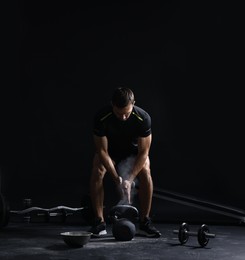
(202, 239)
(4, 211)
(183, 233)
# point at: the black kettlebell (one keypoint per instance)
(123, 229)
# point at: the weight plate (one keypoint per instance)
(183, 233)
(202, 238)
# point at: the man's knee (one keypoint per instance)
(98, 169)
(145, 174)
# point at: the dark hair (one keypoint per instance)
(122, 96)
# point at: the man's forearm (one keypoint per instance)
(109, 165)
(140, 160)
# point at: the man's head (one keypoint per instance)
(122, 102)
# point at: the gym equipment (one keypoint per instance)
(202, 235)
(123, 218)
(195, 202)
(123, 229)
(30, 213)
(183, 233)
(62, 211)
(4, 211)
(76, 239)
(124, 211)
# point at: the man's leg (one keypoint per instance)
(145, 199)
(145, 191)
(97, 196)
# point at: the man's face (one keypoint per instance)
(123, 113)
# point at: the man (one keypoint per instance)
(122, 130)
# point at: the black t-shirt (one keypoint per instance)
(122, 135)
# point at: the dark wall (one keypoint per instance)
(68, 57)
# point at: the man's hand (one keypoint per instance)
(119, 180)
(126, 187)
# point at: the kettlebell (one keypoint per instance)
(123, 229)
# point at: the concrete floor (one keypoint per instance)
(43, 241)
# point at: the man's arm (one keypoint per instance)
(101, 145)
(144, 144)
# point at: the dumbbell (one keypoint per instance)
(202, 234)
(123, 218)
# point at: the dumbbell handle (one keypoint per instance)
(190, 233)
(209, 235)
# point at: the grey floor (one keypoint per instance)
(19, 240)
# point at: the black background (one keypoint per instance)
(65, 59)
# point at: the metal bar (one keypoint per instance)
(193, 204)
(199, 201)
(24, 211)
